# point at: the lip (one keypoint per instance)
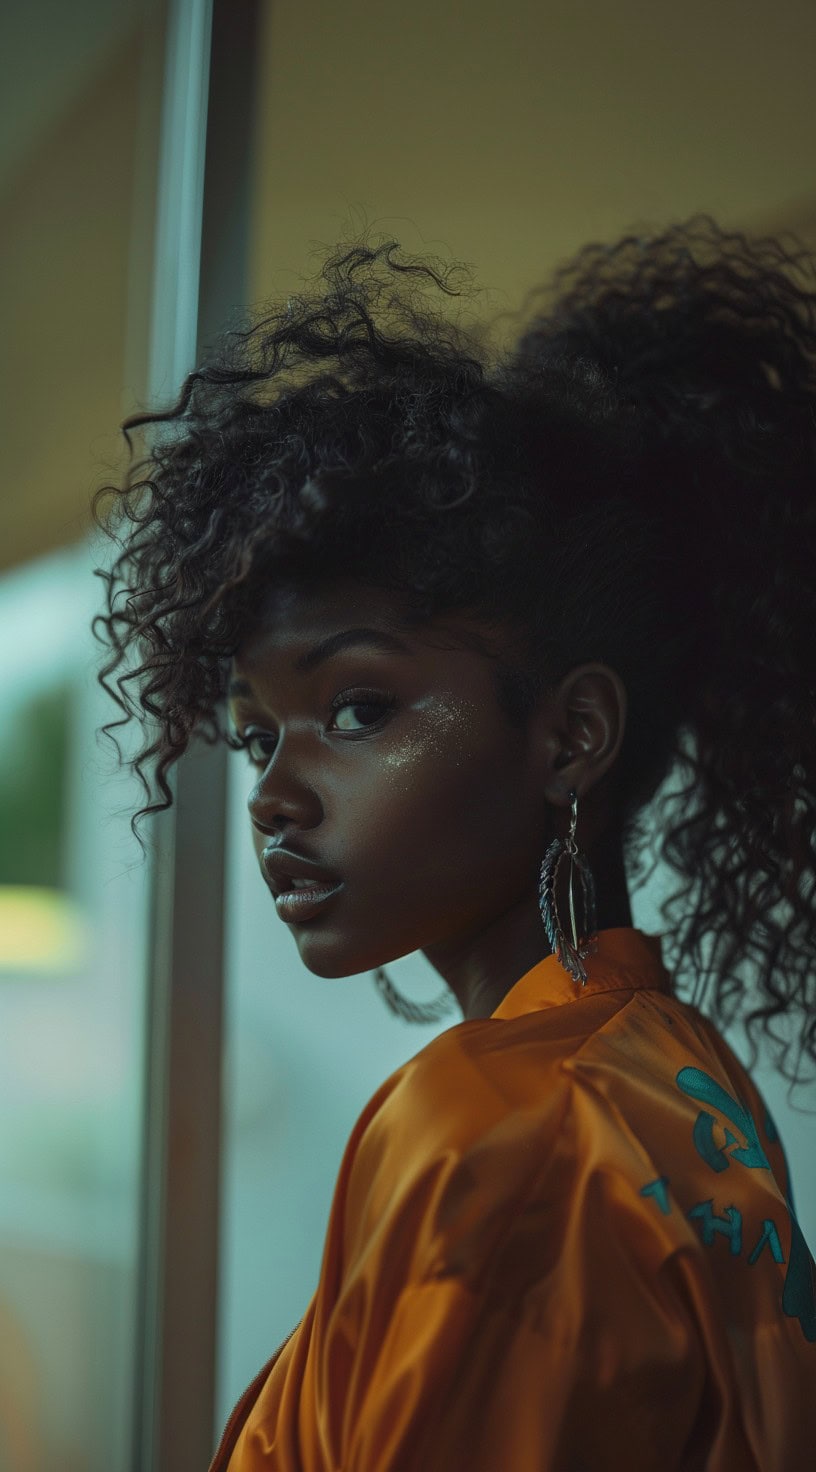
(295, 905)
(280, 865)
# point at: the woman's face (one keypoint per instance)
(413, 788)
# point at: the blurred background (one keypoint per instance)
(176, 1089)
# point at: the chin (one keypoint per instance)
(336, 961)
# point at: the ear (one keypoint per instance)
(582, 727)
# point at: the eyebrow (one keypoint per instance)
(333, 644)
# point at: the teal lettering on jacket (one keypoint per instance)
(700, 1085)
(658, 1190)
(769, 1238)
(730, 1224)
(799, 1290)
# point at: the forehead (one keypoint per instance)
(293, 617)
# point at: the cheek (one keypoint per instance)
(439, 748)
(449, 772)
(446, 814)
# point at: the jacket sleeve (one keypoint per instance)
(548, 1332)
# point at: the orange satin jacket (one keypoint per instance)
(562, 1239)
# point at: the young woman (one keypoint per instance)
(467, 607)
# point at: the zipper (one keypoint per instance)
(236, 1419)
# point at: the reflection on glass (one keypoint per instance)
(77, 185)
(72, 918)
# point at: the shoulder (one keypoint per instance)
(454, 1094)
(479, 1082)
(487, 1120)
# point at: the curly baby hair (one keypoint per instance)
(630, 479)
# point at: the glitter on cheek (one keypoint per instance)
(443, 736)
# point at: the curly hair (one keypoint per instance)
(630, 480)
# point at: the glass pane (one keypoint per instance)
(72, 976)
(80, 113)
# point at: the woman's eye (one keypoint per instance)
(247, 743)
(253, 742)
(355, 705)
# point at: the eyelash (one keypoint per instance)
(385, 702)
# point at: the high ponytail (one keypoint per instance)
(632, 481)
(700, 346)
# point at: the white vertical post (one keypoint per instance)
(178, 1265)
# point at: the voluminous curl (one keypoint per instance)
(631, 481)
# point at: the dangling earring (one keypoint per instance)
(412, 1011)
(571, 955)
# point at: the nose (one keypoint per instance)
(273, 816)
(282, 796)
(264, 829)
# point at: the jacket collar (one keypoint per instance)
(627, 959)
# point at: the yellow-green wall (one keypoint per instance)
(507, 135)
(501, 135)
(76, 236)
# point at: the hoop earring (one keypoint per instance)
(569, 955)
(412, 1011)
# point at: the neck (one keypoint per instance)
(480, 969)
(606, 863)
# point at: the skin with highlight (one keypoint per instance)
(418, 792)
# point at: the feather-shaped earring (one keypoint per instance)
(570, 954)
